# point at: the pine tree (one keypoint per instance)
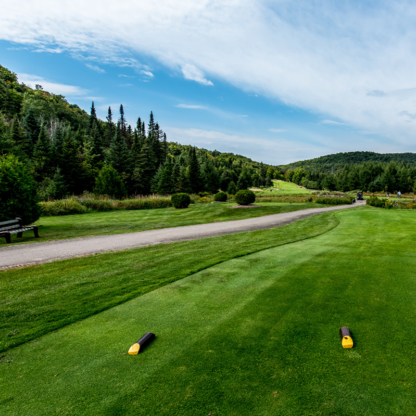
(42, 155)
(122, 123)
(166, 185)
(109, 128)
(210, 177)
(58, 141)
(93, 116)
(244, 180)
(71, 168)
(232, 188)
(32, 128)
(118, 154)
(144, 169)
(151, 126)
(57, 188)
(175, 176)
(18, 137)
(194, 172)
(96, 147)
(183, 184)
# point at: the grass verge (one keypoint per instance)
(115, 222)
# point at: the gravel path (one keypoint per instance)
(36, 253)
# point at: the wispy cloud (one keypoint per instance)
(95, 68)
(333, 59)
(52, 87)
(192, 107)
(125, 76)
(147, 74)
(192, 73)
(333, 122)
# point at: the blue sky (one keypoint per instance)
(277, 81)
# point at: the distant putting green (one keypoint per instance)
(115, 222)
(257, 335)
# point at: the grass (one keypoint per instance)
(283, 188)
(37, 300)
(255, 335)
(115, 222)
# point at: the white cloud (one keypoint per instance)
(277, 130)
(52, 87)
(95, 68)
(125, 76)
(192, 107)
(192, 73)
(147, 73)
(335, 123)
(343, 62)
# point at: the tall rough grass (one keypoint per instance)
(89, 202)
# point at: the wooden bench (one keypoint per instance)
(7, 228)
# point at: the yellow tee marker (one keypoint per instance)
(143, 342)
(346, 338)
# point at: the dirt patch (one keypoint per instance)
(255, 189)
(246, 206)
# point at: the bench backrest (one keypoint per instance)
(10, 225)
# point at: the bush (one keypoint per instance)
(146, 203)
(221, 196)
(109, 183)
(232, 188)
(181, 200)
(63, 207)
(334, 201)
(245, 197)
(18, 196)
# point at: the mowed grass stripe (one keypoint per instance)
(39, 299)
(254, 335)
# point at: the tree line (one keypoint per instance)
(68, 151)
(368, 176)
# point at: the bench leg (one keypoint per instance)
(8, 237)
(19, 235)
(35, 230)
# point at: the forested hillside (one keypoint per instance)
(69, 151)
(335, 162)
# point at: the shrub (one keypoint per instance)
(17, 192)
(220, 196)
(109, 182)
(334, 201)
(181, 200)
(232, 188)
(146, 203)
(97, 204)
(245, 197)
(63, 207)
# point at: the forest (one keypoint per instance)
(368, 176)
(69, 152)
(336, 162)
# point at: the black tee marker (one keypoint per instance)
(142, 343)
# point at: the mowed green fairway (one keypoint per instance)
(115, 222)
(256, 335)
(283, 188)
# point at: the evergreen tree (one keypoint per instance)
(144, 169)
(156, 180)
(93, 116)
(42, 156)
(232, 188)
(32, 127)
(225, 180)
(210, 178)
(57, 188)
(118, 154)
(166, 184)
(183, 183)
(194, 172)
(96, 147)
(109, 183)
(244, 180)
(19, 139)
(176, 171)
(71, 169)
(58, 142)
(109, 128)
(122, 123)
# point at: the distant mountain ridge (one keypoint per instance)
(338, 160)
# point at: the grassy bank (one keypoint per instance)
(124, 221)
(254, 335)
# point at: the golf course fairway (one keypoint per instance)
(256, 335)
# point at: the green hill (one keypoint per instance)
(338, 160)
